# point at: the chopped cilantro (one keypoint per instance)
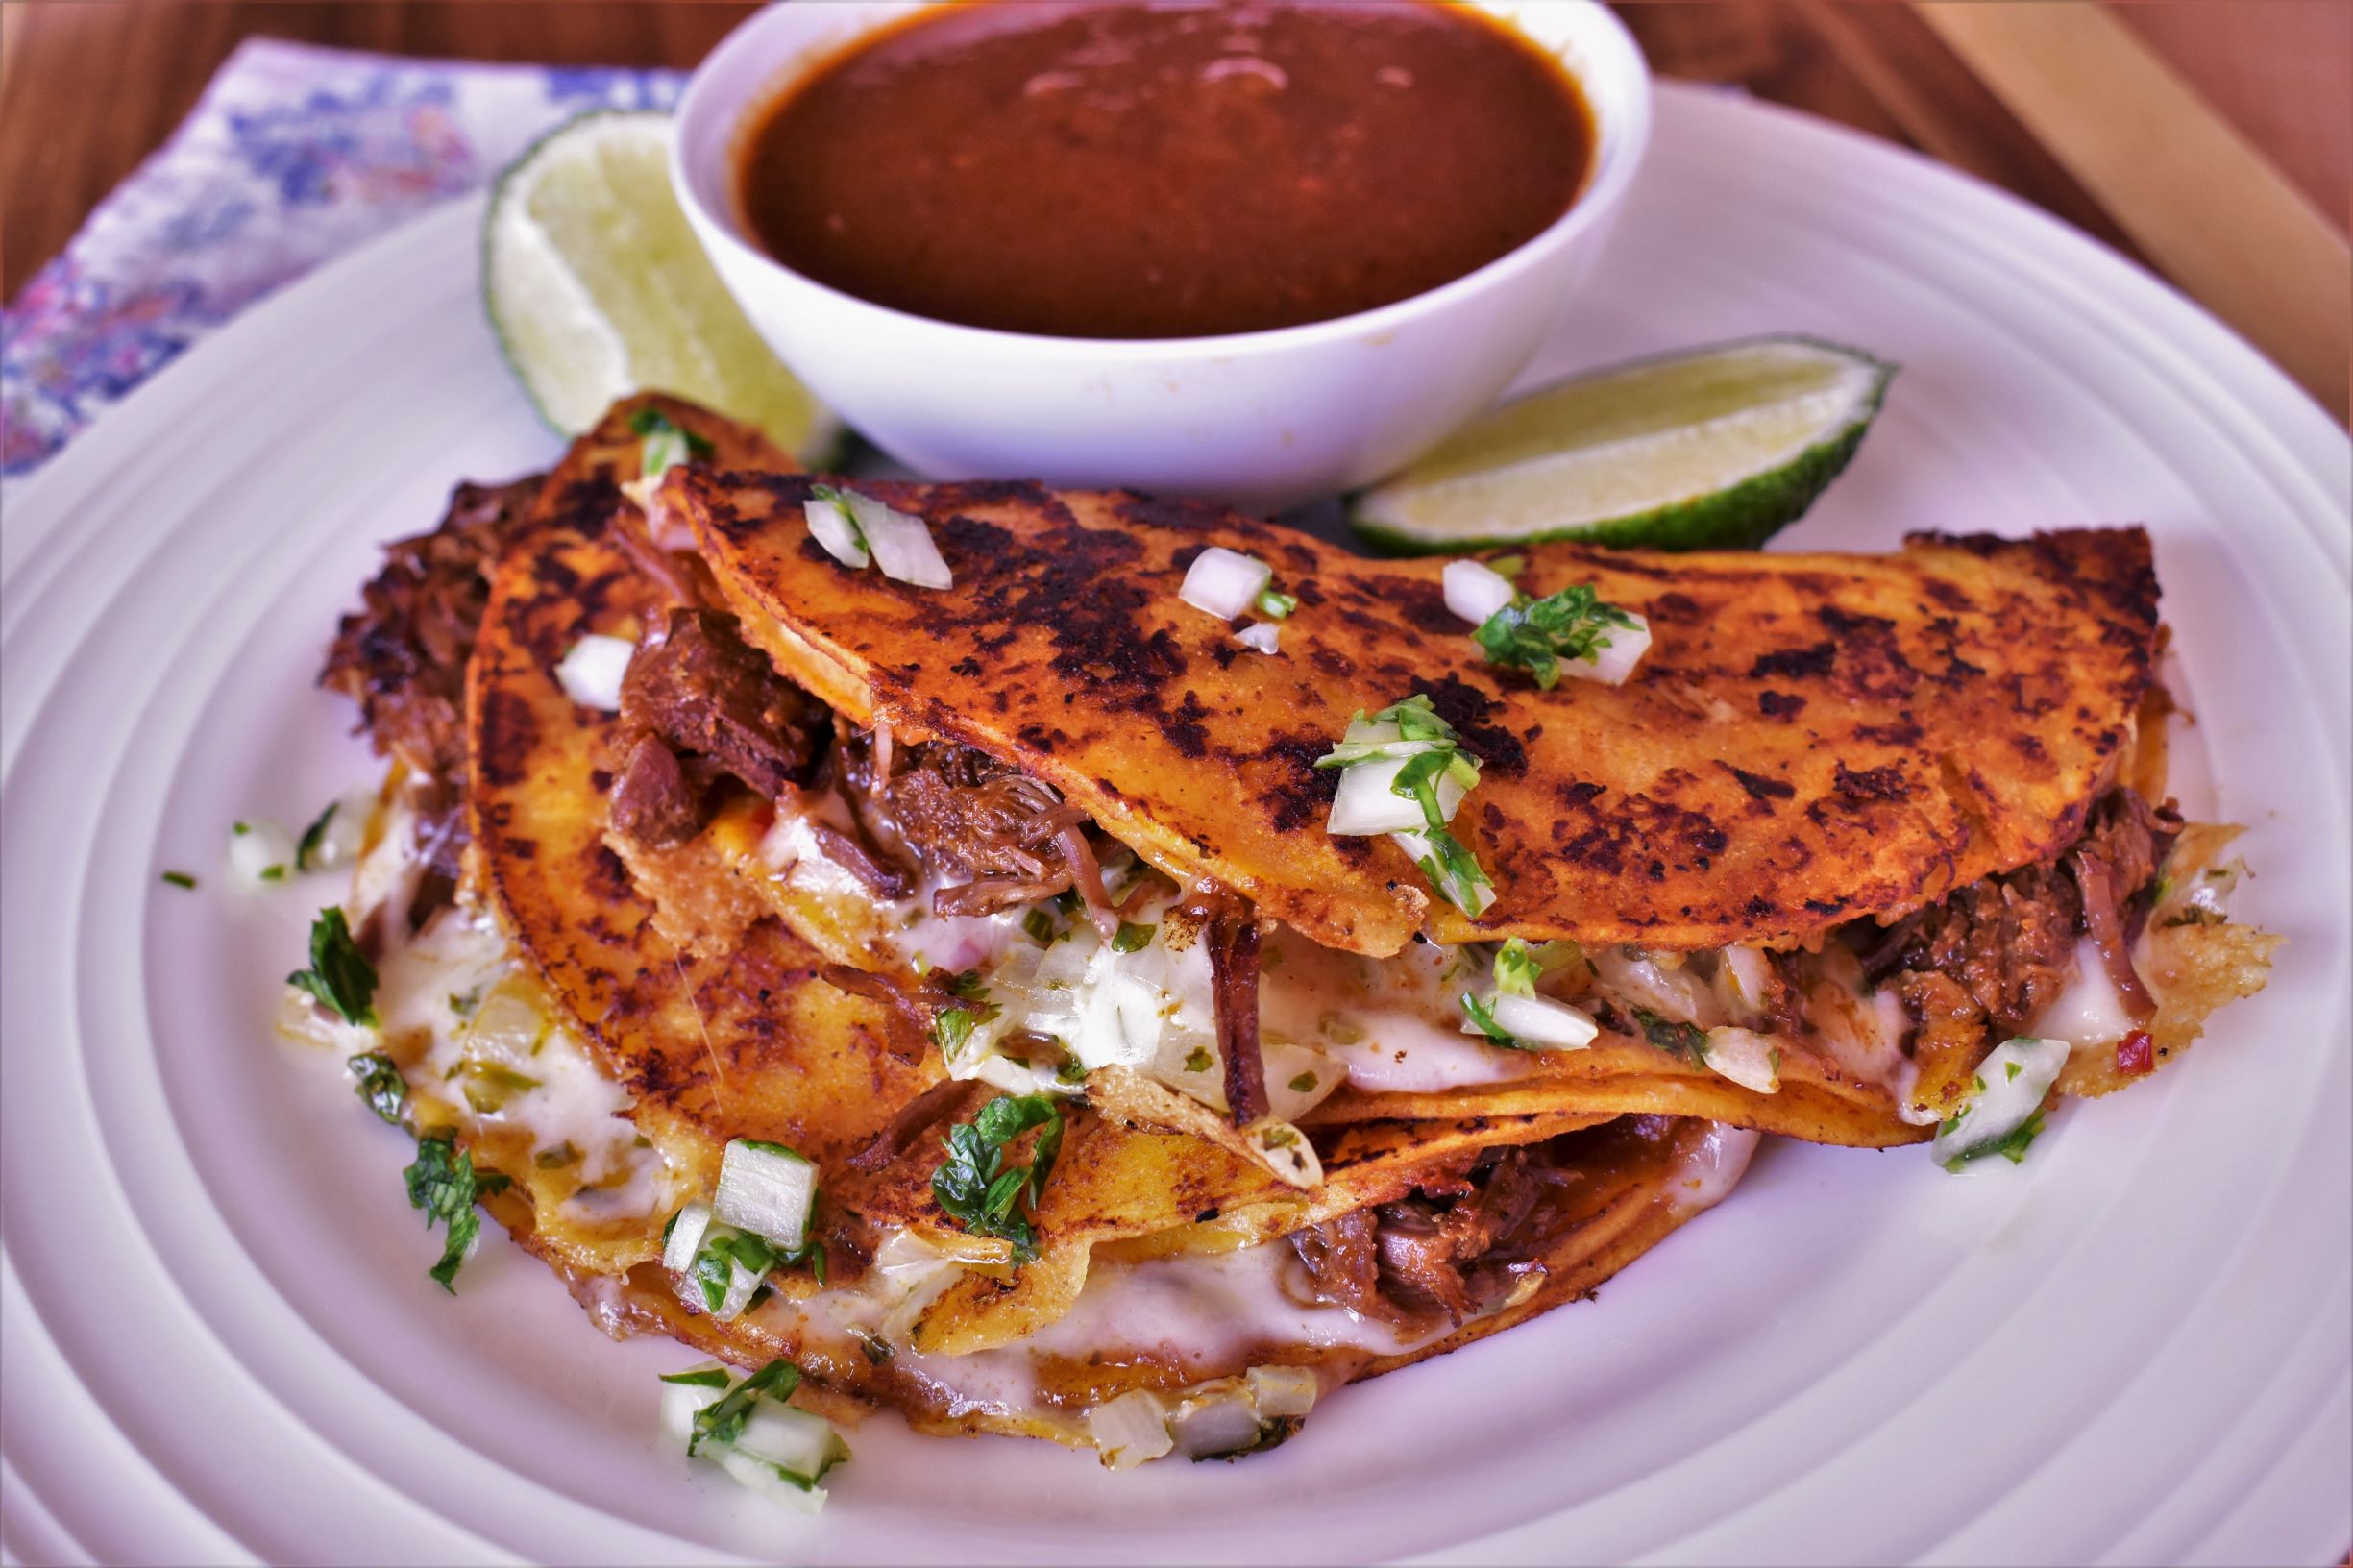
(1536, 634)
(1132, 938)
(722, 1420)
(379, 1082)
(2014, 1070)
(1455, 872)
(976, 1187)
(706, 1377)
(1038, 925)
(950, 1029)
(272, 873)
(1198, 1059)
(1517, 969)
(442, 1181)
(180, 879)
(562, 1154)
(668, 444)
(2011, 1145)
(1482, 1014)
(1683, 1040)
(1304, 1084)
(314, 836)
(340, 975)
(1071, 1071)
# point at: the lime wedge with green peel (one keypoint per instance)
(1715, 449)
(598, 288)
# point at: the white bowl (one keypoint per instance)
(1261, 419)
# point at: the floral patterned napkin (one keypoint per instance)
(294, 155)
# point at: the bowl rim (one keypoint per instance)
(1618, 154)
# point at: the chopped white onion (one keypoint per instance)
(682, 1401)
(1264, 636)
(1418, 849)
(761, 1477)
(768, 1189)
(1130, 1429)
(1476, 590)
(1539, 1020)
(1283, 1390)
(1224, 582)
(1284, 1150)
(1744, 977)
(260, 855)
(1214, 1423)
(686, 1235)
(2003, 1099)
(1368, 803)
(1611, 665)
(830, 526)
(1746, 1057)
(590, 673)
(798, 1442)
(902, 545)
(1298, 1078)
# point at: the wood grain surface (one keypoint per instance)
(89, 88)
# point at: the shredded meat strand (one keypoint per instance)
(909, 1123)
(1229, 927)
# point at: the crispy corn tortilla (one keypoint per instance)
(1810, 737)
(719, 1040)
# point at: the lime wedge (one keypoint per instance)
(1714, 449)
(598, 288)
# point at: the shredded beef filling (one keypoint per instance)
(402, 656)
(1992, 956)
(701, 706)
(1458, 1248)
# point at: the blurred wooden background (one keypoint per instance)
(2212, 140)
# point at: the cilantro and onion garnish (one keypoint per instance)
(746, 1427)
(1572, 632)
(1228, 584)
(667, 443)
(2003, 1113)
(443, 1182)
(854, 529)
(1514, 1016)
(1404, 774)
(976, 1187)
(756, 1222)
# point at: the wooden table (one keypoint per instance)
(88, 87)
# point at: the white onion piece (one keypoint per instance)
(1289, 1064)
(830, 526)
(1283, 1390)
(2002, 1100)
(768, 1189)
(590, 673)
(742, 1285)
(682, 1401)
(798, 1442)
(1476, 590)
(1130, 1429)
(1743, 978)
(1224, 582)
(259, 854)
(1368, 803)
(1745, 1057)
(902, 545)
(1214, 1423)
(1539, 1020)
(1264, 636)
(1611, 665)
(761, 1477)
(1418, 849)
(686, 1236)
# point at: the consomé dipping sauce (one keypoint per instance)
(1100, 170)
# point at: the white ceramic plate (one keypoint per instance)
(220, 1341)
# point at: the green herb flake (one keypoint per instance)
(1304, 1084)
(377, 1080)
(1039, 926)
(1132, 938)
(667, 443)
(562, 1154)
(2011, 1145)
(1682, 1039)
(1198, 1059)
(1071, 1071)
(443, 1182)
(1455, 872)
(1536, 634)
(1507, 566)
(1517, 969)
(722, 1420)
(314, 836)
(950, 1029)
(877, 1349)
(180, 879)
(2013, 1070)
(707, 1377)
(272, 873)
(1276, 606)
(977, 1189)
(340, 976)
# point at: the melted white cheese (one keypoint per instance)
(2089, 1013)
